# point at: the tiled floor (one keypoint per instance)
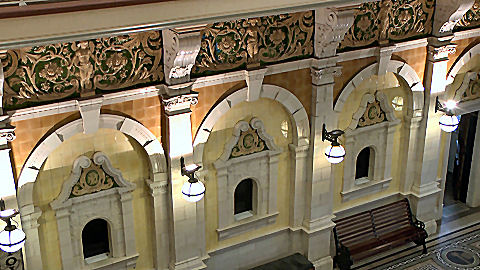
(456, 216)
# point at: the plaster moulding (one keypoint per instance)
(377, 135)
(113, 204)
(259, 162)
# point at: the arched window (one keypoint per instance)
(365, 162)
(95, 240)
(243, 197)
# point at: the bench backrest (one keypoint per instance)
(373, 223)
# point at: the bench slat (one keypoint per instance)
(377, 230)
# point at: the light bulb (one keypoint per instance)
(11, 241)
(448, 123)
(450, 104)
(335, 153)
(193, 192)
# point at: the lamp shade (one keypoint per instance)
(335, 153)
(448, 123)
(193, 191)
(11, 241)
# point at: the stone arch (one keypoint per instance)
(29, 214)
(277, 93)
(399, 68)
(126, 125)
(461, 61)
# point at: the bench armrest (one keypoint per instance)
(418, 224)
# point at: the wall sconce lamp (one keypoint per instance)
(448, 122)
(193, 190)
(334, 152)
(11, 238)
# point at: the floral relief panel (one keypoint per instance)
(54, 72)
(254, 42)
(386, 21)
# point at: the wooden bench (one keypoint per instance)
(380, 229)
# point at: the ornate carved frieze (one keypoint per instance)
(388, 20)
(254, 41)
(471, 18)
(58, 71)
(373, 115)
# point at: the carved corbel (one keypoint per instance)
(181, 47)
(330, 28)
(447, 14)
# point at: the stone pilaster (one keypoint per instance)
(425, 190)
(158, 190)
(187, 243)
(330, 28)
(318, 215)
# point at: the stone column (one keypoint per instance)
(186, 245)
(473, 193)
(425, 190)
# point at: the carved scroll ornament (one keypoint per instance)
(53, 72)
(248, 143)
(389, 20)
(230, 45)
(471, 17)
(373, 115)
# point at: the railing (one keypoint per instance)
(22, 8)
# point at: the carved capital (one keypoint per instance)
(325, 75)
(440, 52)
(448, 13)
(157, 188)
(330, 28)
(181, 47)
(180, 103)
(7, 134)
